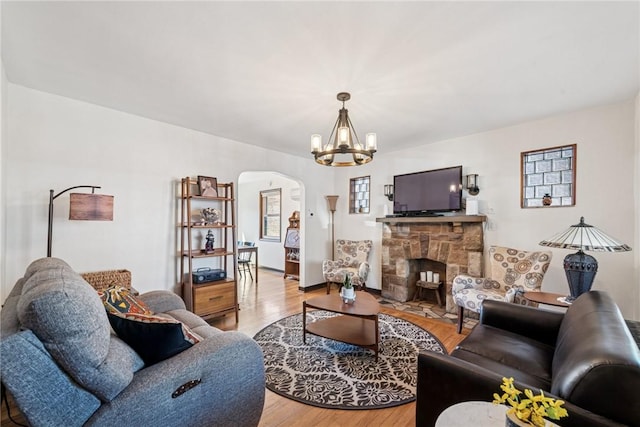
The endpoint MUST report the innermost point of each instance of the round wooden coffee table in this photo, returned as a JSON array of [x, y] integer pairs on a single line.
[[357, 323]]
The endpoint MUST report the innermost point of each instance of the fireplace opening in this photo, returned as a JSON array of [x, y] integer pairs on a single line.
[[416, 266]]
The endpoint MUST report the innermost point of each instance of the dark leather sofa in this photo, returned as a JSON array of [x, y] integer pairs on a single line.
[[586, 357]]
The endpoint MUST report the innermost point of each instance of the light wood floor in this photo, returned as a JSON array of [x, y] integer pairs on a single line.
[[274, 298]]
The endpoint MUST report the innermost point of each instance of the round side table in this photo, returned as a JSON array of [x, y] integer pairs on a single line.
[[477, 414]]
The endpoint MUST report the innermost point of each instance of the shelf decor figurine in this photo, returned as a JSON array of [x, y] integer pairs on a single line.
[[347, 292], [208, 248]]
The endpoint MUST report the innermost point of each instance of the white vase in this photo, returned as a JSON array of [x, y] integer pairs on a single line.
[[348, 295]]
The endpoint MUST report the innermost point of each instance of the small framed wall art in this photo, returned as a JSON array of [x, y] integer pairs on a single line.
[[208, 186], [548, 177]]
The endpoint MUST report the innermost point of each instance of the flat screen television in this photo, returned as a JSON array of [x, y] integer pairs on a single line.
[[428, 192]]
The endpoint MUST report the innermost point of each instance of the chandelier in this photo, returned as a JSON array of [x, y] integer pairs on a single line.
[[343, 142]]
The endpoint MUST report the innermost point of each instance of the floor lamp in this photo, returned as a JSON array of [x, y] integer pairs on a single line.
[[333, 200], [82, 206]]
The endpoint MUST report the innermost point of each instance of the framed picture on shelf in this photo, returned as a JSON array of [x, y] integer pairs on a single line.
[[292, 240], [208, 186]]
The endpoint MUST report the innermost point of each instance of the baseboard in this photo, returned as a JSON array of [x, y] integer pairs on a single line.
[[312, 287]]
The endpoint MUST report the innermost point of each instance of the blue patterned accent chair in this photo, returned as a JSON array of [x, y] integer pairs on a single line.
[[352, 258], [513, 272]]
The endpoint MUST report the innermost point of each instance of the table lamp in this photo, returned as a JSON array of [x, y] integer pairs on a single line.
[[581, 268]]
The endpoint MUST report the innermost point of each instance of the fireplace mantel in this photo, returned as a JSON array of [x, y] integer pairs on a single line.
[[423, 219]]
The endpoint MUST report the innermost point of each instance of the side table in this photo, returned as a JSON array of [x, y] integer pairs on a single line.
[[546, 298], [476, 414]]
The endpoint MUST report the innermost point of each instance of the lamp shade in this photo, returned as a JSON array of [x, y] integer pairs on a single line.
[[585, 237], [90, 207], [333, 200]]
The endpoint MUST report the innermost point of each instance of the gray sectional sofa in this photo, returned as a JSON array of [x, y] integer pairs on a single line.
[[64, 365]]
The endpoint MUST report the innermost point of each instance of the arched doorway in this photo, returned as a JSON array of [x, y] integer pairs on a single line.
[[250, 185]]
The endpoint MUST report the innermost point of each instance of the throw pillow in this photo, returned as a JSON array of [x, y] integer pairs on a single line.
[[153, 337], [118, 299]]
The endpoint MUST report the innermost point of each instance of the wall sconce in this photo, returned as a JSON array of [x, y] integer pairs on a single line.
[[388, 191], [82, 206], [472, 184]]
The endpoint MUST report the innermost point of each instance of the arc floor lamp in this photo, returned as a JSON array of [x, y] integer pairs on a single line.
[[82, 206]]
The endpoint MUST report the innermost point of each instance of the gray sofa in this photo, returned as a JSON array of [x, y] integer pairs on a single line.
[[64, 365]]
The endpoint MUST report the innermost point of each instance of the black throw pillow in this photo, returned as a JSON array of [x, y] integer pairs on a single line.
[[154, 338]]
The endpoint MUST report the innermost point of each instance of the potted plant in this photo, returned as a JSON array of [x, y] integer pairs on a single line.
[[529, 409], [347, 292]]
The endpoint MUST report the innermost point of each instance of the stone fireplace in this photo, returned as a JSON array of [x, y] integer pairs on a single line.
[[449, 245]]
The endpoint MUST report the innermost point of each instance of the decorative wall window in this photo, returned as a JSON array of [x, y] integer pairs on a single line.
[[359, 195], [548, 177], [270, 214]]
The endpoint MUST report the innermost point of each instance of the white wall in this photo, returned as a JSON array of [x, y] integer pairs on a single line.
[[3, 157], [636, 192], [606, 168], [250, 184], [56, 142]]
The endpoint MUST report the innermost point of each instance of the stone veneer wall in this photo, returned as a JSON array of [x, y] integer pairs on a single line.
[[457, 245]]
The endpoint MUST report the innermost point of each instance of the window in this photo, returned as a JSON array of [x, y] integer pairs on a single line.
[[549, 177], [359, 195], [270, 215]]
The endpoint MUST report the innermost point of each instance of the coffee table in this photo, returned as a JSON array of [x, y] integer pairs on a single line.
[[357, 323]]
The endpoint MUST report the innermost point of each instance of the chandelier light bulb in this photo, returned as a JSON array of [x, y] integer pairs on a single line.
[[372, 143], [316, 143]]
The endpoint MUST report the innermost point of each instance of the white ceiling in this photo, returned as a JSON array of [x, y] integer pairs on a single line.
[[267, 73]]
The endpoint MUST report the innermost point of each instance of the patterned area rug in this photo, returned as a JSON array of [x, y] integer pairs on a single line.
[[331, 374]]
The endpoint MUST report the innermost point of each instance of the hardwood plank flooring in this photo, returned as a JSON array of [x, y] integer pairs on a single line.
[[274, 298]]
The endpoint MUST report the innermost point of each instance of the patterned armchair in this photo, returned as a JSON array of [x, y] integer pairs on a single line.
[[513, 272], [351, 258]]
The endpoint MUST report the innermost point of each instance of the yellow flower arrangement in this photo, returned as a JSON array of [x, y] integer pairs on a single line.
[[531, 410]]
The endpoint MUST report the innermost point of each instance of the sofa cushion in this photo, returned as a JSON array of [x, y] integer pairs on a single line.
[[499, 348], [153, 337], [67, 315], [118, 299]]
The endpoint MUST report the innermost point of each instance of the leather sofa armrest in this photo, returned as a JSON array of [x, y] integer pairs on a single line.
[[534, 323], [444, 381]]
